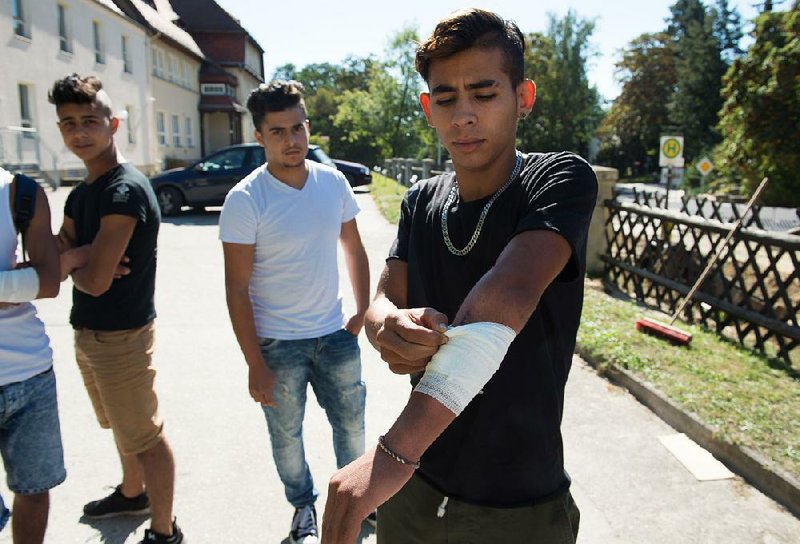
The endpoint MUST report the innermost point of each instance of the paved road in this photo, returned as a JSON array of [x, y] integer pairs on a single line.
[[630, 489]]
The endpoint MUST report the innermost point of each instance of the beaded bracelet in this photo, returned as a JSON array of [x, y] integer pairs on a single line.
[[402, 460]]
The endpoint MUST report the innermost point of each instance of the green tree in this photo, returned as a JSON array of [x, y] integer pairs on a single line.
[[760, 118], [705, 41], [385, 120], [630, 132], [567, 109]]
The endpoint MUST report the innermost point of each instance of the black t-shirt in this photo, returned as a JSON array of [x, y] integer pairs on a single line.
[[128, 304], [505, 448]]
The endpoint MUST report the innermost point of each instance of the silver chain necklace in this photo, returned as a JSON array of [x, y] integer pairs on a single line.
[[452, 197]]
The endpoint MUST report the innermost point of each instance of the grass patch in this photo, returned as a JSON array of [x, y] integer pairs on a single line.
[[745, 397], [388, 194]]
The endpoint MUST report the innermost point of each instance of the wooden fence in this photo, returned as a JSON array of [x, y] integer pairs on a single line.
[[753, 295]]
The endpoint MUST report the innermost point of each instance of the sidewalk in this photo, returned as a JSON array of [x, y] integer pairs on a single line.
[[629, 487]]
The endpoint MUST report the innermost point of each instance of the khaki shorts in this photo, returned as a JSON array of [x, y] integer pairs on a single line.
[[410, 517], [118, 375]]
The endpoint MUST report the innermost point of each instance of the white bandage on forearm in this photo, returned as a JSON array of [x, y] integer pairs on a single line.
[[465, 363], [20, 285]]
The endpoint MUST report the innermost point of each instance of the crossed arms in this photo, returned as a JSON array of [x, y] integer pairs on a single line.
[[407, 338], [95, 266]]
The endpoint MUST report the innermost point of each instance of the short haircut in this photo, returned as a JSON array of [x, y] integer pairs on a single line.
[[472, 27], [277, 95], [74, 89]]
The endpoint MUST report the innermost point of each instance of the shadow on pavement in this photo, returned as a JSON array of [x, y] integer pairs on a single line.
[[115, 530]]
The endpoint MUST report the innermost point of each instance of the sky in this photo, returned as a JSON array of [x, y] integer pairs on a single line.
[[316, 31]]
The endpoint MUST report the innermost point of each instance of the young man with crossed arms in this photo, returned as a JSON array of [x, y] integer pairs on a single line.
[[497, 250], [108, 245]]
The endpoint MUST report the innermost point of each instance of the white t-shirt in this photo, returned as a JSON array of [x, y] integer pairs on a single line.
[[294, 288], [24, 346]]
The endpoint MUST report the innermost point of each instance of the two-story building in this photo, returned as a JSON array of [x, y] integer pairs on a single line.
[[177, 72], [174, 61], [48, 39], [234, 66]]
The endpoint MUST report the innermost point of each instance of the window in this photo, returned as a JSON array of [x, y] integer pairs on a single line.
[[170, 67], [176, 131], [18, 15], [161, 127], [129, 124], [25, 113], [213, 89], [158, 63], [230, 159], [126, 56], [65, 43], [187, 132], [99, 53]]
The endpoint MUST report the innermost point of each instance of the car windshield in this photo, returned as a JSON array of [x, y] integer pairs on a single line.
[[320, 156]]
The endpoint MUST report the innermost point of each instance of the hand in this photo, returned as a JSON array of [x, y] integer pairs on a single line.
[[121, 269], [358, 489], [408, 338], [261, 381], [74, 258], [355, 324]]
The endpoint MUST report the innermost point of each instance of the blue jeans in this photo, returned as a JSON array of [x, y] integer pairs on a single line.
[[332, 364], [30, 437]]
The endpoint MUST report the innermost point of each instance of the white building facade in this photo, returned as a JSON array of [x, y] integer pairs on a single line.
[[49, 39]]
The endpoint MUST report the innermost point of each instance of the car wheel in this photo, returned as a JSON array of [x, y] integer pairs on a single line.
[[170, 200]]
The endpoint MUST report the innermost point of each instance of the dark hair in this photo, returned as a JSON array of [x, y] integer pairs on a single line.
[[74, 89], [472, 27], [277, 95]]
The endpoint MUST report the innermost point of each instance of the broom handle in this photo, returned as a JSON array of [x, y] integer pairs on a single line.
[[722, 246]]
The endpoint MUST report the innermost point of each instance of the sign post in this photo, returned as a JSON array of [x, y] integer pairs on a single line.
[[670, 154]]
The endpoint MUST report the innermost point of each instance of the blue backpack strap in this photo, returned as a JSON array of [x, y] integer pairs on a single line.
[[24, 203]]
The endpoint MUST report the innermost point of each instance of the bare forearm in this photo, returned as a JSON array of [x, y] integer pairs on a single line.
[[418, 426], [240, 310], [358, 270]]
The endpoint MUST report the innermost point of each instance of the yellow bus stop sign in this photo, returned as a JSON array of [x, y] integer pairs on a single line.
[[671, 151]]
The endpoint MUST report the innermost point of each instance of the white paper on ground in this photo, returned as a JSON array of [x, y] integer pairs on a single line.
[[698, 461]]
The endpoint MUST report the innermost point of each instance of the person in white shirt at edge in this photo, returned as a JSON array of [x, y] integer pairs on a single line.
[[30, 433], [496, 248], [279, 228]]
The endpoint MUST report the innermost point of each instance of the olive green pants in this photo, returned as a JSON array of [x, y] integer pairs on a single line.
[[410, 517]]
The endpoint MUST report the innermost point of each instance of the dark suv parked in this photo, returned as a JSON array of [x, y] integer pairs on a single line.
[[207, 182]]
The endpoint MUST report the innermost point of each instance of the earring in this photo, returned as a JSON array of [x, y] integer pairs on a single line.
[[523, 115]]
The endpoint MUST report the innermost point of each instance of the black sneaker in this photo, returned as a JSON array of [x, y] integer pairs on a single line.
[[304, 526], [152, 537], [118, 504]]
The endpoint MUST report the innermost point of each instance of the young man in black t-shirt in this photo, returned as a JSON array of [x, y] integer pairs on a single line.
[[497, 250], [108, 246]]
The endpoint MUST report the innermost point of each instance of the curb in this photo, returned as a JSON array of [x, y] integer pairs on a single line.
[[752, 466]]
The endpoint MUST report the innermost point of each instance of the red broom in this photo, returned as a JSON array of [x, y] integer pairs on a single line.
[[674, 334]]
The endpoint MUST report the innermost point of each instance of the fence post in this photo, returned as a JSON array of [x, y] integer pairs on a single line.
[[596, 242], [408, 163], [427, 166]]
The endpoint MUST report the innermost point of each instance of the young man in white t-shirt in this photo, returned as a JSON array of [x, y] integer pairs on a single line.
[[279, 229]]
